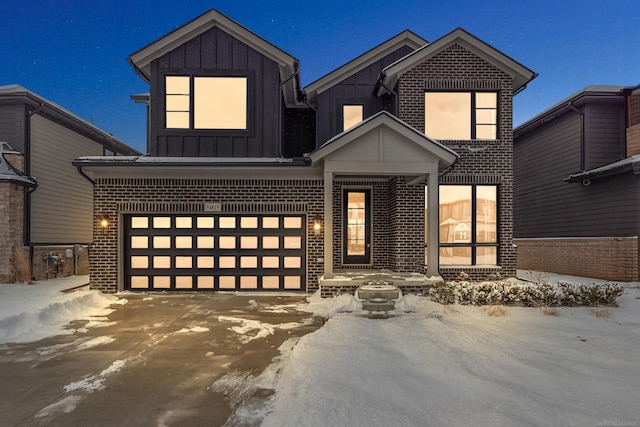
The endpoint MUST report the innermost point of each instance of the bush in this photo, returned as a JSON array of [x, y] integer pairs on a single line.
[[527, 294]]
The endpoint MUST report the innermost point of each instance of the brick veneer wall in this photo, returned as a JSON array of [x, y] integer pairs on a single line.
[[481, 161], [380, 222], [607, 258], [406, 226], [11, 229], [114, 196], [43, 271], [633, 140]]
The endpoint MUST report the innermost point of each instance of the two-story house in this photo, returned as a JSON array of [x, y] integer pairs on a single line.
[[46, 207], [576, 185], [252, 182]]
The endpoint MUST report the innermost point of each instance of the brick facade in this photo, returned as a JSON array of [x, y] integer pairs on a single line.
[[607, 258], [66, 266], [11, 231], [116, 196], [481, 161]]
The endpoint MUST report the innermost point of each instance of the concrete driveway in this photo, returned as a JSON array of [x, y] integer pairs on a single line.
[[162, 360]]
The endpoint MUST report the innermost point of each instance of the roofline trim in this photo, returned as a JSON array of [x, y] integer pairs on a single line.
[[521, 74], [406, 37]]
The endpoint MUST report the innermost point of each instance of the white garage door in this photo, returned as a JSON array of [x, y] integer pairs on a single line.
[[215, 252]]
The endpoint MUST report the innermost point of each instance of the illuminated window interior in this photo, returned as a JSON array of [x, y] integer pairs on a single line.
[[461, 115], [356, 223], [351, 115], [468, 224], [218, 102]]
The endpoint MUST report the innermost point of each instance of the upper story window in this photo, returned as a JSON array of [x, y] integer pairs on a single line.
[[461, 115], [351, 115], [206, 102]]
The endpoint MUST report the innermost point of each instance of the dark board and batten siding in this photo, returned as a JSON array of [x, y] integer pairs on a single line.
[[547, 206], [356, 89], [216, 53]]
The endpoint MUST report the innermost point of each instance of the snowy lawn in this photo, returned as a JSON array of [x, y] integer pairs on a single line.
[[427, 365], [457, 365], [33, 312]]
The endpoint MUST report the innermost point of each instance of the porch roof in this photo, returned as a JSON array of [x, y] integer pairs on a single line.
[[383, 145]]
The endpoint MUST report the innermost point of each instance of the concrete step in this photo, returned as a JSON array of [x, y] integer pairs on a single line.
[[378, 304]]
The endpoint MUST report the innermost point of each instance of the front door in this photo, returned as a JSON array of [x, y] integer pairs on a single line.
[[356, 226]]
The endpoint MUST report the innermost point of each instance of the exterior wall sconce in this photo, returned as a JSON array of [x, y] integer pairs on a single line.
[[103, 221], [317, 225]]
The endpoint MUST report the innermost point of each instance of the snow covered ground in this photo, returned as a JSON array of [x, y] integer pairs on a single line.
[[459, 366], [33, 312], [428, 364]]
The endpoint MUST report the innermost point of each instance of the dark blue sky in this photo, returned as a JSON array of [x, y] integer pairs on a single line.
[[73, 52]]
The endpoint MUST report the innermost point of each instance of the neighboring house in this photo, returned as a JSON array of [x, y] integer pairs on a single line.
[[46, 207], [253, 182], [576, 183]]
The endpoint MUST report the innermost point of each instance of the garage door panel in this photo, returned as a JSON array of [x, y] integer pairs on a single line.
[[215, 252]]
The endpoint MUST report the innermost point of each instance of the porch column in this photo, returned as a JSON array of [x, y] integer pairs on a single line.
[[328, 225], [433, 234]]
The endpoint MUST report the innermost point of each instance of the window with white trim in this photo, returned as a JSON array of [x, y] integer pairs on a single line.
[[461, 115]]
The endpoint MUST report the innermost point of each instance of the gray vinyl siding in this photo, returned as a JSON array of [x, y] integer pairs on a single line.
[[604, 134], [12, 119], [62, 205], [547, 206], [356, 89], [216, 53]]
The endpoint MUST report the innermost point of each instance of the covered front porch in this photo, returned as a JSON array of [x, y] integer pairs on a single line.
[[381, 148]]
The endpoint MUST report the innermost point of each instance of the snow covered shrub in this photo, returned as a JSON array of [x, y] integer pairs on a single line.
[[526, 294]]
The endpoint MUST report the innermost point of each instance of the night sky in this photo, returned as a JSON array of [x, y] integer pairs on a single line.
[[74, 52]]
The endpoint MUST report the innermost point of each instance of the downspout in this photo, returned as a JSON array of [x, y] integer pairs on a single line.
[[281, 107], [583, 160], [87, 177], [392, 93], [26, 214]]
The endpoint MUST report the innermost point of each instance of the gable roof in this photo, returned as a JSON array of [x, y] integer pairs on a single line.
[[51, 110], [405, 38], [521, 74], [383, 144], [589, 93], [288, 65]]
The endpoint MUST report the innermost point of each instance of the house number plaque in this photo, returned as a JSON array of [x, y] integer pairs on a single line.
[[212, 207]]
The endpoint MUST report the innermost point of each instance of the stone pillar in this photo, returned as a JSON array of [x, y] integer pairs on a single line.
[[15, 263]]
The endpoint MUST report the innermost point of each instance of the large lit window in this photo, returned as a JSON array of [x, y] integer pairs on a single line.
[[461, 115], [468, 224], [215, 103], [351, 115]]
